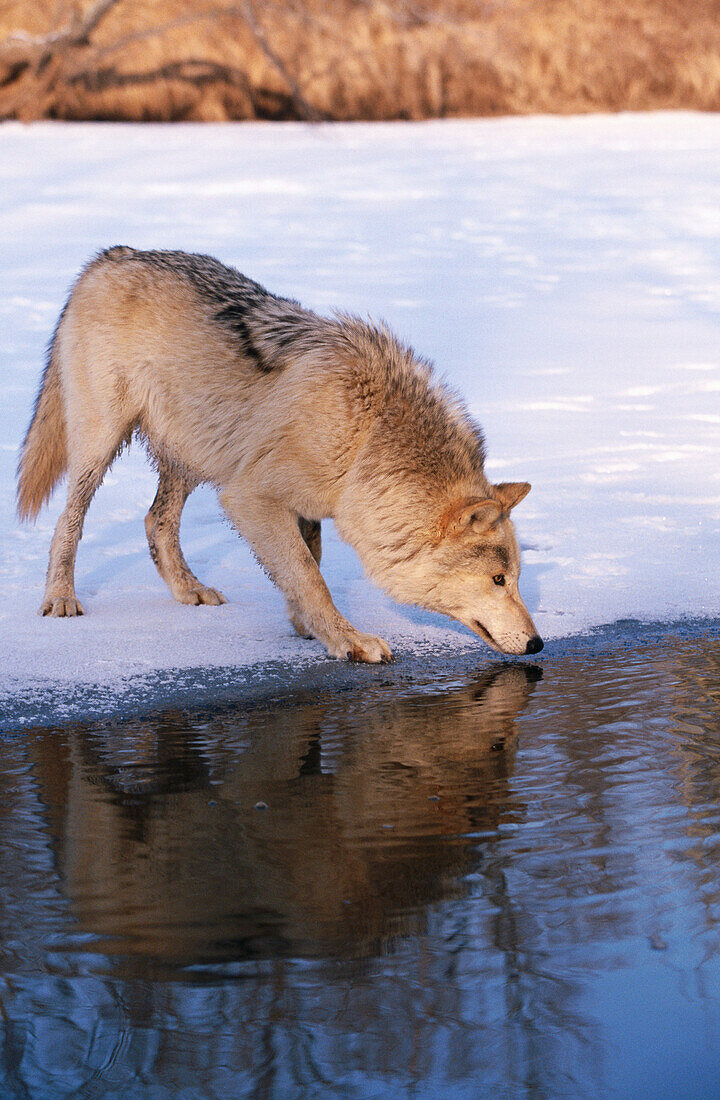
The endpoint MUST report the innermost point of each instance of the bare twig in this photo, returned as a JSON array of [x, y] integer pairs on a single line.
[[40, 61], [258, 32], [76, 33]]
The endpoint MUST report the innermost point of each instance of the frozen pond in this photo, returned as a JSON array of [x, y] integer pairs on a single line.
[[504, 883], [561, 272]]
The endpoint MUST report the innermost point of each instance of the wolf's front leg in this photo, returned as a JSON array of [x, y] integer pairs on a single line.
[[272, 530]]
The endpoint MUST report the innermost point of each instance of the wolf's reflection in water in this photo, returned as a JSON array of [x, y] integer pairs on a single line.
[[321, 829]]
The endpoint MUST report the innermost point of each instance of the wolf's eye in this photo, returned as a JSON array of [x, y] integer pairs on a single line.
[[499, 578]]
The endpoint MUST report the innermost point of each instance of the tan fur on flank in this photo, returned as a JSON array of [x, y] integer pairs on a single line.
[[294, 418]]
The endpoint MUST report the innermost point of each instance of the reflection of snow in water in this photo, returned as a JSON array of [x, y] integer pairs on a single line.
[[561, 272]]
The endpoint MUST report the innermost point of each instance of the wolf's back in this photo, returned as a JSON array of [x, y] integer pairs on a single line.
[[43, 459]]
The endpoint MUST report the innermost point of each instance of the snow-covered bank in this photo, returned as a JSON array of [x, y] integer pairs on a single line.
[[563, 273]]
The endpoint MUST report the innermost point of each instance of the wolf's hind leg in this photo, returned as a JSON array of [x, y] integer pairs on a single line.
[[273, 531], [311, 533], [162, 526], [60, 599]]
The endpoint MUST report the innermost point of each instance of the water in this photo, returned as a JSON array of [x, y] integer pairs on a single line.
[[503, 885]]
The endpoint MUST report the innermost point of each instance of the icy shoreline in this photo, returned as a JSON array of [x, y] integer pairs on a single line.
[[562, 273], [205, 690]]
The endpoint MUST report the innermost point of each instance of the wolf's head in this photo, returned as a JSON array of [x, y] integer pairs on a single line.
[[479, 568], [468, 567]]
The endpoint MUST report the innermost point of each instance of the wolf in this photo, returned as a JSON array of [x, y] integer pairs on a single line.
[[294, 418]]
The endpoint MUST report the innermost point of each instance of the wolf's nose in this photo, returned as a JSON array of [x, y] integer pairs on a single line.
[[534, 645]]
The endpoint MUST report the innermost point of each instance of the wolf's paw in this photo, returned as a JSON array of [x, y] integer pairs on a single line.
[[61, 607], [201, 594], [363, 647]]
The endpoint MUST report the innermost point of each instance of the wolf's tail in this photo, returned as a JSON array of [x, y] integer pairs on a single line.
[[44, 458]]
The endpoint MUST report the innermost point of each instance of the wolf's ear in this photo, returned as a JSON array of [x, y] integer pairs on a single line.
[[510, 493], [476, 514]]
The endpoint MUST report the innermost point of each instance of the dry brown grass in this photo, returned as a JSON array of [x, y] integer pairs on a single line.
[[215, 59]]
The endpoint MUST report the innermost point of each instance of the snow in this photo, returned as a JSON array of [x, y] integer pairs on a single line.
[[564, 274]]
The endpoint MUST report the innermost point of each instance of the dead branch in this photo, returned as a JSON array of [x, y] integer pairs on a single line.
[[76, 33], [36, 64], [306, 109]]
